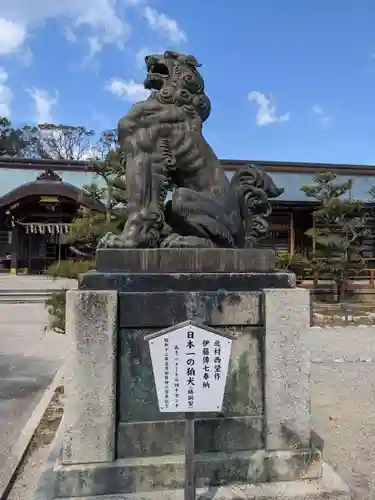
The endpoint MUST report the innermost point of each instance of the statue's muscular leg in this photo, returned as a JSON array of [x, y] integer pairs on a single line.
[[145, 222]]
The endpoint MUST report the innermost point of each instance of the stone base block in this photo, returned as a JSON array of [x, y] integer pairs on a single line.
[[168, 472], [179, 260], [328, 487], [212, 435]]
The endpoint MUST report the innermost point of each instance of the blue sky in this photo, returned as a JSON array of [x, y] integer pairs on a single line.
[[288, 81]]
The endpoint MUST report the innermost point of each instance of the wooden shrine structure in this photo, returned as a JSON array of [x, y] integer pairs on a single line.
[[33, 219], [33, 216]]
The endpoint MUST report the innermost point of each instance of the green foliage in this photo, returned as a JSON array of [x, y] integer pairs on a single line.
[[296, 263], [70, 268], [339, 228], [13, 141], [109, 192], [55, 306]]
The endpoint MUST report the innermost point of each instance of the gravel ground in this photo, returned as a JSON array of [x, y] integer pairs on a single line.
[[342, 344], [38, 451], [343, 402], [343, 408]]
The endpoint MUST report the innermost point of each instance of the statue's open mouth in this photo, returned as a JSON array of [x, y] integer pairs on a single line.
[[157, 73], [158, 69]]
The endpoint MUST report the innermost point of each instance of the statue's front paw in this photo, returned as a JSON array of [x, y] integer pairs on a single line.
[[144, 229], [111, 240], [175, 240]]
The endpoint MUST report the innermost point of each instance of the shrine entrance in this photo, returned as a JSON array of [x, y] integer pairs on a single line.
[[35, 219], [43, 245]]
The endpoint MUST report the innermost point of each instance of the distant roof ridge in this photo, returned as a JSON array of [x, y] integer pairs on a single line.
[[276, 166], [311, 164]]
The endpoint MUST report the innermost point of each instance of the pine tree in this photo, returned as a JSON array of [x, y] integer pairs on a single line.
[[338, 231], [108, 191], [14, 142]]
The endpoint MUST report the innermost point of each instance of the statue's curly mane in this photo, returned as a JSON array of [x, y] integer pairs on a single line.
[[198, 103], [185, 85]]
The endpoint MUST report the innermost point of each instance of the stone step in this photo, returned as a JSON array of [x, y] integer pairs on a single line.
[[23, 300], [329, 487], [24, 296], [19, 298], [168, 471], [29, 291]]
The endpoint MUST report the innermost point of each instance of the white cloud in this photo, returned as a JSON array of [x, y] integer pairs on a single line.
[[140, 56], [127, 90], [12, 36], [267, 109], [146, 51], [44, 103], [6, 94], [95, 46], [70, 35], [158, 21], [96, 22], [19, 17], [320, 113]]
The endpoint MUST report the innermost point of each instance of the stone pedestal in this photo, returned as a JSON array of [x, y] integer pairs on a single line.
[[116, 442]]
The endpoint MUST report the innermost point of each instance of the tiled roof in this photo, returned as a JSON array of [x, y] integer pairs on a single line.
[[292, 183]]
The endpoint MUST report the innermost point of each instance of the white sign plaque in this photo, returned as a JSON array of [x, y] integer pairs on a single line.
[[190, 365]]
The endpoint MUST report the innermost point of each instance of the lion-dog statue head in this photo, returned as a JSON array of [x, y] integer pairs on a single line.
[[175, 79]]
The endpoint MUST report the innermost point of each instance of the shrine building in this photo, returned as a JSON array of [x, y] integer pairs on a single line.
[[35, 214]]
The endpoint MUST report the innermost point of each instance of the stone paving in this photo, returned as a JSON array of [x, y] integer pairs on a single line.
[[343, 402], [29, 359], [343, 407], [29, 283], [343, 344]]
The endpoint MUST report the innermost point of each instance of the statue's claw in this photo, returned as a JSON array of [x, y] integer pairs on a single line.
[[111, 240], [142, 230], [175, 240]]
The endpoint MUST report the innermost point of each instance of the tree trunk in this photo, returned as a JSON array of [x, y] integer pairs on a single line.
[[342, 290]]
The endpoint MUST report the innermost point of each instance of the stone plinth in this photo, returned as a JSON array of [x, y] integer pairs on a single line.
[[185, 260], [287, 368], [262, 434], [90, 378]]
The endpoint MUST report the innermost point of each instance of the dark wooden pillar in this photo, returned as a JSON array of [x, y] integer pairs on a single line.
[[292, 234], [14, 250]]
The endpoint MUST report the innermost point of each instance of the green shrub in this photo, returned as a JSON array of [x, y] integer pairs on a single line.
[[297, 264], [55, 306], [69, 268]]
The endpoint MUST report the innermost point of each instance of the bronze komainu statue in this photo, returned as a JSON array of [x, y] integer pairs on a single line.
[[165, 149]]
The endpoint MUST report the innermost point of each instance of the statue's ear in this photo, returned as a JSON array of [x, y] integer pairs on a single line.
[[171, 54], [183, 58], [191, 61]]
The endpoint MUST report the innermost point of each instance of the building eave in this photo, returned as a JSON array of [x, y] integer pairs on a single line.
[[301, 167], [43, 164], [229, 165]]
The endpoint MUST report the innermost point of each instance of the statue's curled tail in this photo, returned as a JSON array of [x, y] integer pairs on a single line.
[[254, 188]]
